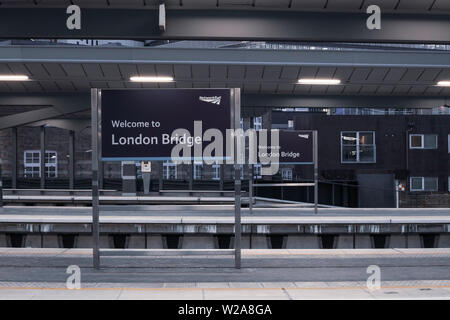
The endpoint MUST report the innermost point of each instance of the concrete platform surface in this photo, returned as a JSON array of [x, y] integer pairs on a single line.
[[354, 290], [207, 214], [210, 274]]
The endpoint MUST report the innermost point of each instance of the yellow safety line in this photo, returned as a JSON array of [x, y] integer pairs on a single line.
[[234, 289]]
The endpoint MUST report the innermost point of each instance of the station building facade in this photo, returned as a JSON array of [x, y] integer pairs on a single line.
[[364, 154]]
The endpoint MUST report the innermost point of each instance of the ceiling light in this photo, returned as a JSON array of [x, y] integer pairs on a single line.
[[319, 81], [151, 79], [13, 77], [445, 83]]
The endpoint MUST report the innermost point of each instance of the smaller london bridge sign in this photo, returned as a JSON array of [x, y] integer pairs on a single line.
[[291, 147]]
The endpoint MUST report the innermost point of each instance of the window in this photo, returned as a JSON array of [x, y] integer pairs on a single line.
[[257, 123], [358, 146], [423, 141], [198, 171], [32, 166], [216, 171], [286, 174], [423, 184], [170, 170]]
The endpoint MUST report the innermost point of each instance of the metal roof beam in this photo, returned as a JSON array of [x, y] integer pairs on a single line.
[[56, 106], [343, 101], [48, 23], [63, 104], [353, 58]]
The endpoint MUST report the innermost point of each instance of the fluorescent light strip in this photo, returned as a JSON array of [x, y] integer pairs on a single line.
[[319, 81], [5, 77], [445, 83], [151, 79]]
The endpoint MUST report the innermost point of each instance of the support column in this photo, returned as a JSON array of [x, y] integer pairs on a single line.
[[42, 163], [14, 159], [71, 159], [160, 176], [333, 201], [251, 173], [222, 175], [95, 184], [316, 170], [191, 175], [236, 107], [345, 196], [100, 173]]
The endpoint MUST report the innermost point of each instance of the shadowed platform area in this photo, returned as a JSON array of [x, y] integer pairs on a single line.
[[209, 274]]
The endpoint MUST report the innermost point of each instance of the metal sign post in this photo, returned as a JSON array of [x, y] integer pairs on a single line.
[[250, 179], [316, 170], [112, 131], [236, 109], [95, 97]]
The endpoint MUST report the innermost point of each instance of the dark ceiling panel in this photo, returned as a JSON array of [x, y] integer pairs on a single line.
[[110, 70], [422, 5], [430, 74], [164, 70], [55, 70], [285, 88], [37, 70], [308, 4], [268, 87], [200, 71], [290, 73], [280, 4], [360, 74], [73, 69], [377, 75], [388, 5], [251, 87], [335, 89], [385, 90], [236, 72], [219, 72], [272, 72], [344, 4], [308, 72], [18, 68], [412, 74], [146, 70], [49, 86], [128, 70], [254, 72], [401, 89], [395, 74], [93, 70], [326, 72], [182, 71], [441, 5]]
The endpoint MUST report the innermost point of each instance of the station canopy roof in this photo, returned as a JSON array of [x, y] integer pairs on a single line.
[[398, 6], [384, 71]]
